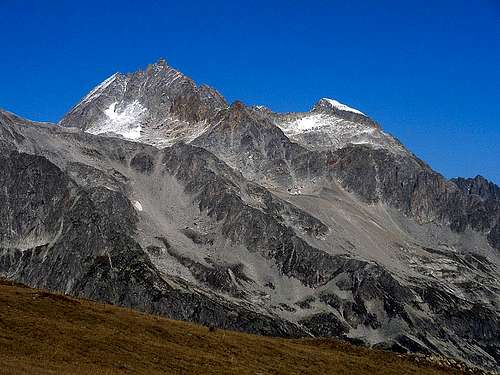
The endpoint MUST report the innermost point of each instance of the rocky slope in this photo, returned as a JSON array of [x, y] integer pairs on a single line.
[[294, 224], [159, 100]]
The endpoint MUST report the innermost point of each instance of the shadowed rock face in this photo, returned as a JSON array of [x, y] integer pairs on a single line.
[[252, 144], [236, 225], [143, 104], [411, 186], [479, 186], [484, 203], [61, 237], [160, 89], [264, 154]]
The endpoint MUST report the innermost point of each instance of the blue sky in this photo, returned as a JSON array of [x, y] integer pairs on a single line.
[[428, 72]]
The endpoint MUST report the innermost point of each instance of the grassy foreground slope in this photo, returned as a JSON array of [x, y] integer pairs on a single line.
[[44, 333]]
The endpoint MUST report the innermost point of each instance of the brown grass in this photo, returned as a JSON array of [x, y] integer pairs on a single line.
[[43, 333]]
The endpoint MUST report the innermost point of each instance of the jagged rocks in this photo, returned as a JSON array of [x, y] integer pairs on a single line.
[[282, 224], [59, 237]]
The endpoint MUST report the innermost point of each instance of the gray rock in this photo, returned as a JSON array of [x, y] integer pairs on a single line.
[[241, 223]]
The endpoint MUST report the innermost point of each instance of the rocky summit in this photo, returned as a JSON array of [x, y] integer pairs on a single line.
[[153, 193]]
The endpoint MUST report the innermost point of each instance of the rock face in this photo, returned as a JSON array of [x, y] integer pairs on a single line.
[[484, 204], [80, 241], [293, 224], [159, 99]]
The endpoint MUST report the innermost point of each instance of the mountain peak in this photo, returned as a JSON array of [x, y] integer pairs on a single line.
[[237, 105], [127, 103], [161, 62], [332, 104]]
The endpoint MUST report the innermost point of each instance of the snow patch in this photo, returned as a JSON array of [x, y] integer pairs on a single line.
[[307, 123], [126, 122], [137, 205], [341, 106], [325, 131]]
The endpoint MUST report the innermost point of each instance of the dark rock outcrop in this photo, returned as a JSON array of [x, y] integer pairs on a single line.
[[160, 90], [57, 236]]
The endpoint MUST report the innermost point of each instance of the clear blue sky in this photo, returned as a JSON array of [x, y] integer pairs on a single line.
[[428, 71]]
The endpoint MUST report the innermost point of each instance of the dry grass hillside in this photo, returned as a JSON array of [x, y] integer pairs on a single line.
[[44, 333]]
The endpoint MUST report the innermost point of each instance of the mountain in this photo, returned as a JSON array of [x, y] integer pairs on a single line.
[[155, 194], [158, 106]]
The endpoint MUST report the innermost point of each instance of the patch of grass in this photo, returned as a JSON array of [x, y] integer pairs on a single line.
[[45, 333]]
